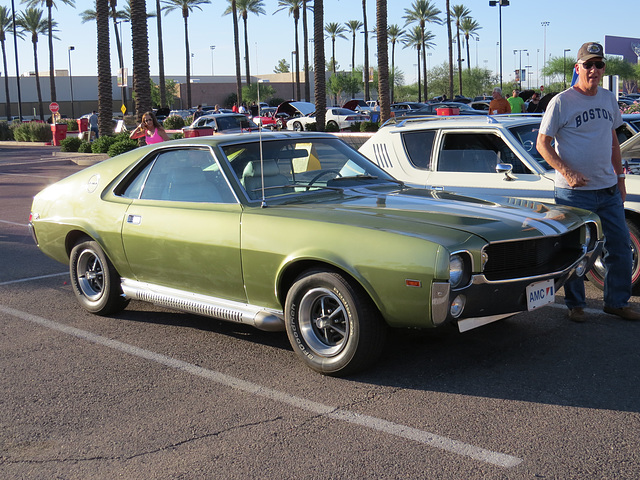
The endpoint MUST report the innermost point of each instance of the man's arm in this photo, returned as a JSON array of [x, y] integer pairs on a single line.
[[573, 178]]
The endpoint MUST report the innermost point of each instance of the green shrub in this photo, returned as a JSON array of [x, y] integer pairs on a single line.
[[331, 127], [311, 127], [85, 147], [188, 120], [33, 132], [70, 144], [122, 146], [173, 122], [177, 136], [6, 133], [102, 144], [72, 125], [369, 127], [355, 127]]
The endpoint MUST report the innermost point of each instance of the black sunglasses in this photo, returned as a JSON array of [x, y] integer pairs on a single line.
[[599, 65]]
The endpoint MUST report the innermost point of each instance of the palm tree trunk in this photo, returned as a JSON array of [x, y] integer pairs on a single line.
[[305, 39], [236, 43], [105, 97], [383, 60], [424, 66], [466, 37], [140, 45], [459, 57], [123, 90], [450, 40], [246, 47], [161, 80], [353, 53], [6, 79], [365, 74], [35, 61], [392, 79], [188, 53], [52, 72], [320, 86], [295, 21], [419, 84]]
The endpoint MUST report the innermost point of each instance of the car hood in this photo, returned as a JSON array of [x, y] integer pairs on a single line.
[[295, 108], [428, 213]]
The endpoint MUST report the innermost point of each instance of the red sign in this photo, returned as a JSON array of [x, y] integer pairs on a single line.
[[541, 87], [54, 107]]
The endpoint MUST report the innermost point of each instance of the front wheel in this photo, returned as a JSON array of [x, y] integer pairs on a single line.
[[95, 280], [596, 274], [332, 124], [332, 324], [297, 126]]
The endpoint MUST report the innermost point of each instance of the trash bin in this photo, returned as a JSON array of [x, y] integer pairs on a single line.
[[448, 111], [59, 131], [190, 132], [83, 124]]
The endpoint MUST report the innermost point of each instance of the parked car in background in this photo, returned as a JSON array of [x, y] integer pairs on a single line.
[[432, 109], [299, 232], [289, 110], [404, 106], [359, 106], [225, 123], [633, 120], [266, 118], [336, 117], [486, 157]]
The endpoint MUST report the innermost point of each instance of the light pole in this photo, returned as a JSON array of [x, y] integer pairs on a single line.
[[528, 74], [564, 66], [499, 4], [73, 112], [520, 68], [192, 57], [544, 50], [212, 48], [477, 42]]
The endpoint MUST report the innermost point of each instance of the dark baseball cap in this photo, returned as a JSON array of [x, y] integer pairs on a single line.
[[589, 51]]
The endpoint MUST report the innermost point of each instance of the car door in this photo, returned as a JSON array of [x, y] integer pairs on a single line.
[[465, 162], [182, 229]]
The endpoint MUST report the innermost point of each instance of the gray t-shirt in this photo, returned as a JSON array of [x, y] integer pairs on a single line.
[[582, 127]]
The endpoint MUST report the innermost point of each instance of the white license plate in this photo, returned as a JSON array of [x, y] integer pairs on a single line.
[[540, 294]]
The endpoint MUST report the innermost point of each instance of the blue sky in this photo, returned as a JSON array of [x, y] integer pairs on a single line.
[[272, 38]]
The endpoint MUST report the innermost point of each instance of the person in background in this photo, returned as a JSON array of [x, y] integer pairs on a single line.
[[93, 123], [532, 106], [150, 129], [589, 174], [516, 102], [498, 105], [198, 113]]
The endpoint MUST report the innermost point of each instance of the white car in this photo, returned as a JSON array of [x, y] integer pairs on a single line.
[[335, 117], [487, 157]]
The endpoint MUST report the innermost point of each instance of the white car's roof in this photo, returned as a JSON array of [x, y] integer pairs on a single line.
[[461, 121]]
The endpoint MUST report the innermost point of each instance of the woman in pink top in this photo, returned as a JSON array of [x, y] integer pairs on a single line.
[[150, 129]]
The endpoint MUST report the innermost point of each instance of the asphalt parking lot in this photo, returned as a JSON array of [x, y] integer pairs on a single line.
[[151, 393]]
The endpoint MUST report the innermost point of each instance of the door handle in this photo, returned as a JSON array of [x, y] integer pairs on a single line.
[[134, 219]]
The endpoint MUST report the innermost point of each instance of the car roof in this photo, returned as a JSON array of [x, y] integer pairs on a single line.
[[462, 121]]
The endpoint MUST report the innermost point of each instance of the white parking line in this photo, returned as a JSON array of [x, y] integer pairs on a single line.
[[14, 223], [378, 424], [10, 282]]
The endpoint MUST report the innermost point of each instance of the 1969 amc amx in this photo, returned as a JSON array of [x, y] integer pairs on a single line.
[[299, 232]]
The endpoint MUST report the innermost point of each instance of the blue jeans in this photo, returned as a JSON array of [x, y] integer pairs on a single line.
[[617, 247]]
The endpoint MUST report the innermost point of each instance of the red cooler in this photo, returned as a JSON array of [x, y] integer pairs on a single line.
[[83, 124], [59, 131], [448, 111]]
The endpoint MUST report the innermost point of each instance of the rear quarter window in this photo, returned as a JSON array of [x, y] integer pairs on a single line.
[[418, 146]]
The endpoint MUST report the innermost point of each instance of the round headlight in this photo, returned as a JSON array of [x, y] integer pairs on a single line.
[[457, 306], [456, 270]]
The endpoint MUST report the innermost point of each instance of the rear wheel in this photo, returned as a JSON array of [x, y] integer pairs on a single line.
[[95, 280], [332, 124], [332, 324], [297, 126], [596, 274]]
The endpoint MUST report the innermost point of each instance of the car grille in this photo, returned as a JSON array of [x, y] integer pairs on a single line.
[[528, 258]]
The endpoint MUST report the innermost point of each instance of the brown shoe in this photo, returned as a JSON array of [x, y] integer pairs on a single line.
[[627, 312], [577, 315]]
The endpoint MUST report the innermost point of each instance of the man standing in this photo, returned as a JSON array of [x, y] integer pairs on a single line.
[[589, 174], [499, 104], [516, 102], [93, 123]]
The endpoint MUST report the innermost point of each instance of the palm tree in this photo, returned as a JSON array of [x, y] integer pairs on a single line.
[[450, 43], [423, 12], [305, 40], [244, 7], [186, 7], [161, 79], [294, 7], [320, 86], [236, 49], [469, 28], [105, 97], [334, 30], [366, 50], [413, 39], [394, 35], [383, 60], [460, 12], [5, 26], [50, 23], [140, 45], [353, 26], [31, 22]]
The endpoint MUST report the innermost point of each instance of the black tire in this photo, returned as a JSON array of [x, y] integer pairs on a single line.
[[297, 126], [332, 124], [95, 281], [596, 274], [332, 324]]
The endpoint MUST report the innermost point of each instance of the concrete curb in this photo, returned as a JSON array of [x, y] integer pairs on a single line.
[[81, 158]]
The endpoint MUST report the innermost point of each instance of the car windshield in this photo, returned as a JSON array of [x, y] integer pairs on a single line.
[[527, 135], [299, 165], [234, 122]]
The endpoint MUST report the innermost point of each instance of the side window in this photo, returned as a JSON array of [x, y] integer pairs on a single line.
[[187, 175], [476, 153], [418, 146]]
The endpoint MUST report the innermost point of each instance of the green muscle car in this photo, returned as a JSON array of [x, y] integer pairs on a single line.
[[300, 232]]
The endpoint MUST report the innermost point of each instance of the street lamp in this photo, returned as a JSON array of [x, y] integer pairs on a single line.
[[564, 66], [192, 57], [499, 4], [520, 68], [73, 112], [544, 51], [212, 48]]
